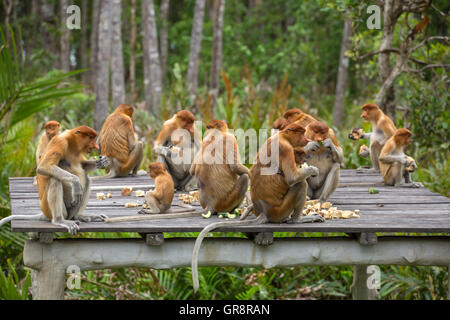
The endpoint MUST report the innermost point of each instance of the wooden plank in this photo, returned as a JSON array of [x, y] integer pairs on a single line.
[[391, 210]]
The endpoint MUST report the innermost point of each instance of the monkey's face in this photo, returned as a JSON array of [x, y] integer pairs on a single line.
[[155, 169], [90, 144], [185, 120], [51, 131], [296, 135], [369, 112], [317, 131], [85, 139], [402, 137]]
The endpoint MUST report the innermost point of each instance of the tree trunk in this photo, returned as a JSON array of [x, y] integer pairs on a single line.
[[103, 59], [133, 36], [387, 104], [8, 6], [94, 40], [65, 37], [117, 69], [196, 42], [83, 44], [47, 17], [164, 43], [152, 67], [216, 63], [338, 112]]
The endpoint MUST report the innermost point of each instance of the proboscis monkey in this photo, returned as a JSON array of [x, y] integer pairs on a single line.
[[382, 129], [275, 199], [395, 165], [176, 146], [160, 199], [63, 182], [51, 129], [222, 179], [118, 142], [324, 153]]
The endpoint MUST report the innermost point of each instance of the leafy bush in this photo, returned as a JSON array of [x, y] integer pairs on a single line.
[[11, 287]]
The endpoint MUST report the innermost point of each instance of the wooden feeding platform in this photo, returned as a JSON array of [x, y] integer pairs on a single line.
[[391, 210]]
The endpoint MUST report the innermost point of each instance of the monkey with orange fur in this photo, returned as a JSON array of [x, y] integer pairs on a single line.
[[51, 129], [395, 166], [176, 146], [323, 152], [222, 179], [63, 182], [298, 116], [382, 129], [118, 142], [160, 199], [277, 197]]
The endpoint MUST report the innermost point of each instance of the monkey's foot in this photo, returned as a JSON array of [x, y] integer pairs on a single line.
[[71, 226], [309, 219], [410, 185], [148, 211], [92, 217]]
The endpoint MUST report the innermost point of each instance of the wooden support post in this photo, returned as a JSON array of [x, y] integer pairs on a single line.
[[263, 239], [49, 281], [46, 237], [448, 279], [360, 286], [154, 239]]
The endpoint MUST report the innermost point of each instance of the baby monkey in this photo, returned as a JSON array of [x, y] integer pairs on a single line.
[[160, 199], [395, 165]]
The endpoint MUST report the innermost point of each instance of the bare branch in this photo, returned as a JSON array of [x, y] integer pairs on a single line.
[[424, 42], [388, 50], [440, 12], [430, 66]]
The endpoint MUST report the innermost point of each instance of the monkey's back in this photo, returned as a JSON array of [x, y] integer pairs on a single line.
[[113, 137], [259, 189]]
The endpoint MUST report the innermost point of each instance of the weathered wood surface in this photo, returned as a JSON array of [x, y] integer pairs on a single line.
[[391, 210]]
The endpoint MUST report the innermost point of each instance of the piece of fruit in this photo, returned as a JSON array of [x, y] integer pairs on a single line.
[[206, 215]]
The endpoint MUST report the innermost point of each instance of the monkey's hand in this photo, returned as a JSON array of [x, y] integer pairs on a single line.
[[77, 191], [328, 143], [165, 151], [356, 134], [103, 162], [411, 165], [312, 171], [312, 146]]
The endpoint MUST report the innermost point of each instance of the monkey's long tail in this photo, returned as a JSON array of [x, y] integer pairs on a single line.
[[21, 217], [261, 219]]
